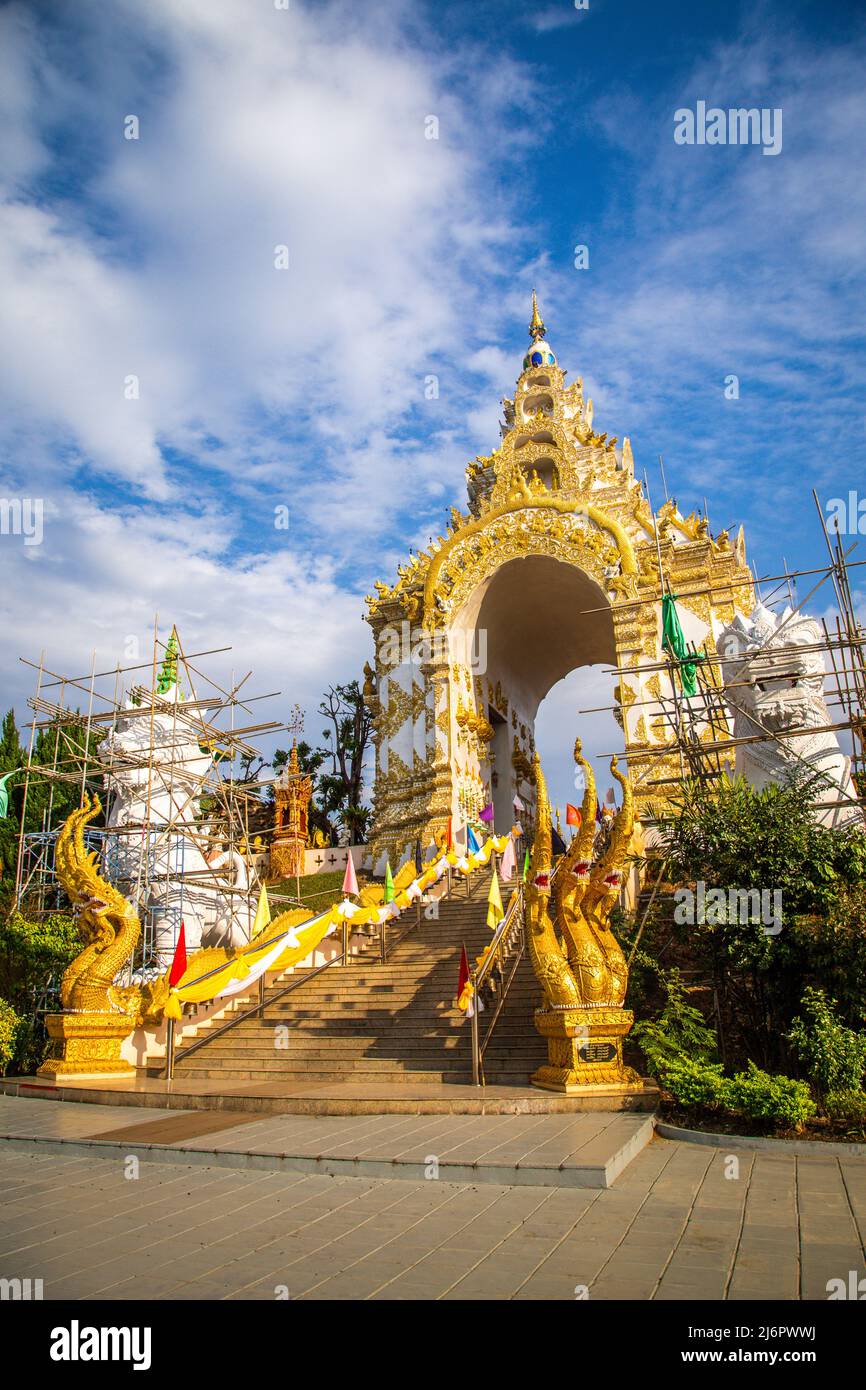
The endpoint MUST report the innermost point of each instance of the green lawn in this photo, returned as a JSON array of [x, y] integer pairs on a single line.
[[317, 891]]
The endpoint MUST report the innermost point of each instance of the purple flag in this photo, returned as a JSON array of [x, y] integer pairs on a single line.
[[487, 813]]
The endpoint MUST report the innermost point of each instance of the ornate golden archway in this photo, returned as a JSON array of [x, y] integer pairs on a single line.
[[554, 491]]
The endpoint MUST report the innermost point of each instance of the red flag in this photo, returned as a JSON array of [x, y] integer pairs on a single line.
[[178, 965], [572, 814], [449, 836], [464, 971]]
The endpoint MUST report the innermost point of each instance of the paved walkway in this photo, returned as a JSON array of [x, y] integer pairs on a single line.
[[589, 1150], [336, 1097], [681, 1222]]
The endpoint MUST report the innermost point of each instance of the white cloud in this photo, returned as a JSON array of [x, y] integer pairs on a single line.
[[258, 129], [102, 576]]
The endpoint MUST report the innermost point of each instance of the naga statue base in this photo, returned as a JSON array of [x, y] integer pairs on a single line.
[[584, 1050], [87, 1044]]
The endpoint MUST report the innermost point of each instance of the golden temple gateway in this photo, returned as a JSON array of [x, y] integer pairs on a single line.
[[559, 561]]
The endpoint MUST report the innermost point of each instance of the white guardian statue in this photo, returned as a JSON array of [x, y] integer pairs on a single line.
[[773, 672], [163, 857]]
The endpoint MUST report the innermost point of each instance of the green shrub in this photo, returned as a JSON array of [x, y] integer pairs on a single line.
[[32, 952], [692, 1082], [846, 1107], [731, 835], [750, 1095], [9, 1025], [833, 1056], [679, 1033], [756, 1095]]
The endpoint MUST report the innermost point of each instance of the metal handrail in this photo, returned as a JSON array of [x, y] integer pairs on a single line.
[[478, 976], [504, 988], [256, 1008]]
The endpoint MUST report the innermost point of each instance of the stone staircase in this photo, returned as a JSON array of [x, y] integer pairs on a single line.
[[375, 1023]]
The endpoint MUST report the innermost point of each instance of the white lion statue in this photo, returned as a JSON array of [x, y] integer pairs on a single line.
[[774, 682]]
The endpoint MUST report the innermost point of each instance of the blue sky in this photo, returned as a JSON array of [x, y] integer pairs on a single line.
[[304, 388]]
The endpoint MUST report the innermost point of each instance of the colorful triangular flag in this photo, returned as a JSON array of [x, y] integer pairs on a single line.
[[573, 815], [463, 977], [674, 642], [472, 844], [178, 965], [389, 883], [509, 862], [263, 912], [495, 911], [487, 814], [350, 878], [526, 866], [4, 793]]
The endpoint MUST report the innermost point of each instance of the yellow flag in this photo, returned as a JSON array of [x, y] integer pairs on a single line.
[[263, 913], [495, 913]]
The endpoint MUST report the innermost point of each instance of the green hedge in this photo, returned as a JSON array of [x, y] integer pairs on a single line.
[[751, 1094]]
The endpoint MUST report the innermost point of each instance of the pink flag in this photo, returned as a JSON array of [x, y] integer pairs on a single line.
[[508, 863], [518, 804], [350, 878]]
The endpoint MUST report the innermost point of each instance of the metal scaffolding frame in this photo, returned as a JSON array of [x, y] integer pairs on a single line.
[[688, 719], [155, 848]]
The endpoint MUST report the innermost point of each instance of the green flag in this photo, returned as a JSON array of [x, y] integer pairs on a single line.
[[389, 883], [674, 642], [525, 866], [4, 794]]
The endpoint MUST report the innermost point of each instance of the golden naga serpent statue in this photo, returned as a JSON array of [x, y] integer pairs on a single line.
[[592, 971], [107, 921]]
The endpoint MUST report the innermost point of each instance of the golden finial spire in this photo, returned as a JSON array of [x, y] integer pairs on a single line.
[[536, 327]]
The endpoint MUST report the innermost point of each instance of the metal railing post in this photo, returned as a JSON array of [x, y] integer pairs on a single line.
[[382, 949], [262, 994], [345, 942], [476, 1048], [169, 1051]]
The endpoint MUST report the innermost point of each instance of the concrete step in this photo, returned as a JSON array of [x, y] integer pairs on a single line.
[[318, 1077], [371, 1020]]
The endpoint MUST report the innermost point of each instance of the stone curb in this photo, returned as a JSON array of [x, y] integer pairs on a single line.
[[800, 1148], [591, 1175]]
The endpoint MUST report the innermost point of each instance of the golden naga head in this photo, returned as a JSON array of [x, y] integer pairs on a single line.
[[541, 861]]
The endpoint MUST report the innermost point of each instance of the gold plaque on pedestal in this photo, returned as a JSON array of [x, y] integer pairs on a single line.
[[584, 1049]]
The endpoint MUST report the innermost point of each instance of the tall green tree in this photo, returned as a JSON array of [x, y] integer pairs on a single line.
[[337, 767], [63, 747], [11, 757], [347, 739], [732, 836]]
